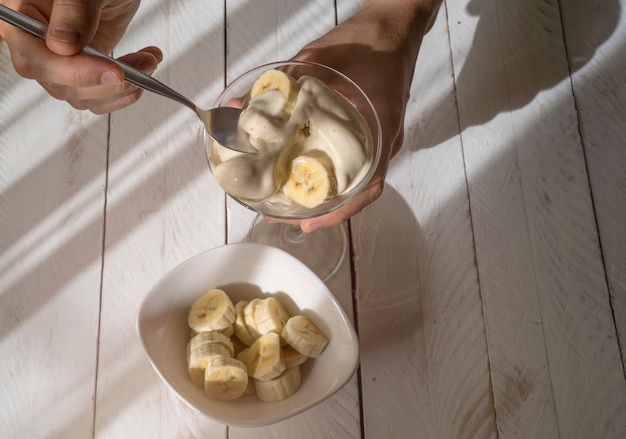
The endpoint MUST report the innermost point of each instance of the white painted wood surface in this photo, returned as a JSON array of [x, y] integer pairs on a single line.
[[488, 284]]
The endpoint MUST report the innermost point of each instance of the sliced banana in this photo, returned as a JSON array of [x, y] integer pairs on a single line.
[[292, 149], [228, 331], [241, 328], [311, 179], [248, 318], [198, 358], [264, 359], [225, 378], [213, 311], [301, 334], [269, 346], [281, 387], [292, 357], [280, 81], [269, 316], [212, 337]]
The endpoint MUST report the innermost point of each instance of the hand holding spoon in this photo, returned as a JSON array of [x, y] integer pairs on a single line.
[[220, 123]]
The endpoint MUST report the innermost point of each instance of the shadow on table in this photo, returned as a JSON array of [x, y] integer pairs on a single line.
[[511, 50], [387, 240]]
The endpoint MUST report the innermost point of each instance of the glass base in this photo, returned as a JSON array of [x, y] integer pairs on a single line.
[[322, 251]]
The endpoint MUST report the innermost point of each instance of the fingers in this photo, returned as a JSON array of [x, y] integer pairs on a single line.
[[341, 215], [235, 102], [109, 93], [86, 82], [32, 59], [72, 25]]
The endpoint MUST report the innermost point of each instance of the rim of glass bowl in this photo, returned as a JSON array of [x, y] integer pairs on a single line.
[[296, 212]]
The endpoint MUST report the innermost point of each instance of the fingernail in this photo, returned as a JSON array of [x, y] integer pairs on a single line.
[[65, 35], [110, 78], [147, 65]]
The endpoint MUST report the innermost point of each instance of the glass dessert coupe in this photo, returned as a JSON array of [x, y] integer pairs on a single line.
[[323, 250]]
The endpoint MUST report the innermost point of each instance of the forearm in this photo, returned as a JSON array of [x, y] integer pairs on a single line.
[[392, 30], [400, 24]]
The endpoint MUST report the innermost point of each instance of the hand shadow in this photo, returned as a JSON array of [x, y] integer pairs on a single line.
[[389, 238], [517, 47]]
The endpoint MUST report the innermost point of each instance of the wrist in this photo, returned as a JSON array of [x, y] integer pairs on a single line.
[[402, 23]]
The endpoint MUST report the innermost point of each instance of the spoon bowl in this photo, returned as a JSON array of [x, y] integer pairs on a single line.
[[220, 123]]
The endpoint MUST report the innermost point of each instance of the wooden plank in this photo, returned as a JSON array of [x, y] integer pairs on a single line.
[[554, 359], [162, 208], [52, 170], [595, 33], [424, 362]]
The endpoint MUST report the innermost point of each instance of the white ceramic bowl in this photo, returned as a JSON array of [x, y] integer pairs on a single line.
[[244, 271]]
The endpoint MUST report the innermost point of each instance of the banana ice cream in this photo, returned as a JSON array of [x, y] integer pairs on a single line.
[[311, 143]]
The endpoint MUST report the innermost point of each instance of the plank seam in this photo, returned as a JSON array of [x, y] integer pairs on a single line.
[[355, 317], [101, 287], [471, 219], [591, 196]]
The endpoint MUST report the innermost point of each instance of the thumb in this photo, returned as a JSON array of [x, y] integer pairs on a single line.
[[72, 25]]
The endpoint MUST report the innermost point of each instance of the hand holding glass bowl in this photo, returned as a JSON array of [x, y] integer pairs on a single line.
[[323, 250]]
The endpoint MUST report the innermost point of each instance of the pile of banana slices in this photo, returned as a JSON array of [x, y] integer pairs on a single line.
[[249, 347]]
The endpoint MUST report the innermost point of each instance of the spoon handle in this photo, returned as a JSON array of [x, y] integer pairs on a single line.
[[132, 75]]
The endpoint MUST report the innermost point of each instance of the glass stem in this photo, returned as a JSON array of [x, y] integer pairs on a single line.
[[294, 233]]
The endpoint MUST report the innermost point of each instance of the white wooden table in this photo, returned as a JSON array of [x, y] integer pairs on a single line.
[[488, 284]]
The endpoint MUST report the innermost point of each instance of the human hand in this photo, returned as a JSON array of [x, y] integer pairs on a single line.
[[382, 64], [85, 82]]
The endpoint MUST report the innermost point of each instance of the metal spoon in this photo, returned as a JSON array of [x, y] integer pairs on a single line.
[[220, 123]]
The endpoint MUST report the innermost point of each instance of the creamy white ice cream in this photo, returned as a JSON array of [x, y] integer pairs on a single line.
[[283, 128]]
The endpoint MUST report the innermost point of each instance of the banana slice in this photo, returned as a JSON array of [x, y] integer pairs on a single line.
[[240, 327], [264, 359], [248, 318], [269, 316], [292, 149], [212, 337], [213, 311], [301, 334], [280, 81], [199, 358], [311, 179], [292, 357], [225, 378], [279, 388], [228, 331]]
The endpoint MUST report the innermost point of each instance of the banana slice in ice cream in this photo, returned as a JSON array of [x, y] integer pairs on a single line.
[[311, 179], [281, 82]]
